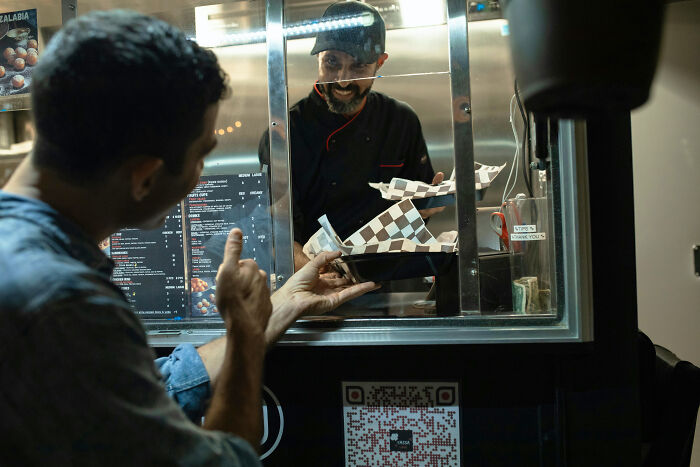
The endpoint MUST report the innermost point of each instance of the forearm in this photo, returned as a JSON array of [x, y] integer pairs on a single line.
[[212, 355], [284, 313], [236, 404]]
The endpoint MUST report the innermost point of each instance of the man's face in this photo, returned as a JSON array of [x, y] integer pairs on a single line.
[[168, 188], [343, 96]]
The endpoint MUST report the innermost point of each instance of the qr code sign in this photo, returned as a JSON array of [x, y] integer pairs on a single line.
[[401, 424]]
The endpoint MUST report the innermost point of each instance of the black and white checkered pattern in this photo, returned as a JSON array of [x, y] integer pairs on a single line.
[[402, 220], [400, 188], [399, 228]]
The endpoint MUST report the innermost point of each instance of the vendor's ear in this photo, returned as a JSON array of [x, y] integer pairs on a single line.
[[382, 58], [143, 173]]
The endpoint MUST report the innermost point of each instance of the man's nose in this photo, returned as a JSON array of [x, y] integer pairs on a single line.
[[344, 74]]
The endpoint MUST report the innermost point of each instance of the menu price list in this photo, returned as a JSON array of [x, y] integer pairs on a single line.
[[149, 268], [218, 204]]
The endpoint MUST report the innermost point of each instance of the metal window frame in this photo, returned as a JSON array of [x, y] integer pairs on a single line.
[[281, 182], [574, 322]]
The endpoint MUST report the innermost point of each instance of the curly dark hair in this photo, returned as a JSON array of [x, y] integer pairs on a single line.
[[114, 84]]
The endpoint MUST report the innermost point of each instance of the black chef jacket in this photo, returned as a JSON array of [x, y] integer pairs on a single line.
[[333, 158]]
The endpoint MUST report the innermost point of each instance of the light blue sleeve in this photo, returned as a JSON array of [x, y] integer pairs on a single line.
[[186, 380]]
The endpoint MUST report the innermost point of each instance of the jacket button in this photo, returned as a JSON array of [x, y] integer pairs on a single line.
[[333, 183], [368, 139], [333, 141]]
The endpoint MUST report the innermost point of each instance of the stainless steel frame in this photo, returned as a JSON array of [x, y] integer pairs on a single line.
[[463, 138], [573, 322], [575, 219], [279, 144]]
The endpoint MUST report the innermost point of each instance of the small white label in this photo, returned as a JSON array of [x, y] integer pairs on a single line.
[[524, 228], [524, 237]]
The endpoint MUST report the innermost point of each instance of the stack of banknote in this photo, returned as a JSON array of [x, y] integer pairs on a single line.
[[528, 298]]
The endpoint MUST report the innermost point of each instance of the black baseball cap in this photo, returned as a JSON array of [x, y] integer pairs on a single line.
[[363, 37]]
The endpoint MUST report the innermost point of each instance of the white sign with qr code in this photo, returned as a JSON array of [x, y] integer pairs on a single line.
[[401, 423]]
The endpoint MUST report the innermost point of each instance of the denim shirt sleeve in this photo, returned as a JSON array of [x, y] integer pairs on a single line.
[[186, 380]]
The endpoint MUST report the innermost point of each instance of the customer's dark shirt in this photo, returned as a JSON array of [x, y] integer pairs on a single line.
[[333, 158], [78, 382]]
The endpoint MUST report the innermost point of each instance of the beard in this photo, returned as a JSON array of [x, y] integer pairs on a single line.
[[341, 107]]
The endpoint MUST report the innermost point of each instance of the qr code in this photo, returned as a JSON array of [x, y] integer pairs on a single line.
[[401, 423]]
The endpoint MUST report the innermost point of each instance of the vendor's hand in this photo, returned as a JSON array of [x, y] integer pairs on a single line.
[[242, 294], [426, 213], [300, 258], [309, 291]]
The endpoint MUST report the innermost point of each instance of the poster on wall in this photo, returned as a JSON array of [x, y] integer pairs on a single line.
[[20, 51]]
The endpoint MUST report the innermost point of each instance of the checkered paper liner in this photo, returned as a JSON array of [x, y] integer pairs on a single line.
[[400, 188], [398, 229]]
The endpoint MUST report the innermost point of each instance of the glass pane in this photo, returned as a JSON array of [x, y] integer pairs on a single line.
[[169, 273], [369, 91], [514, 223]]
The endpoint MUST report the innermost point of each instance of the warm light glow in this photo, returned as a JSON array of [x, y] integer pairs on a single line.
[[422, 12], [229, 129], [221, 131], [238, 124]]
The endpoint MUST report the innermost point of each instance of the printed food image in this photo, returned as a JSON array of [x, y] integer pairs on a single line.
[[104, 245], [32, 58], [198, 285], [203, 304], [19, 46]]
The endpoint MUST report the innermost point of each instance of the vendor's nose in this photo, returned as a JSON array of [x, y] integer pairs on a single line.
[[344, 74]]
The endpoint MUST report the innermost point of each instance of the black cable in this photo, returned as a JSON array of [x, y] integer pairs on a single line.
[[526, 142]]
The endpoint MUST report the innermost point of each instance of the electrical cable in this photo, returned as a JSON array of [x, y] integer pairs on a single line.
[[525, 142], [516, 160]]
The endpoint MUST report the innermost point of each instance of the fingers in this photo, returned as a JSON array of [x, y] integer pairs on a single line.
[[329, 275], [425, 213], [234, 246], [355, 291], [324, 258], [333, 283], [438, 178]]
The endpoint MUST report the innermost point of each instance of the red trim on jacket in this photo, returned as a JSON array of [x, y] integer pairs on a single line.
[[317, 91], [328, 140]]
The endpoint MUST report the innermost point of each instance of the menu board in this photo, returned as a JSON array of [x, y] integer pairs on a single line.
[[150, 267], [215, 206], [170, 272]]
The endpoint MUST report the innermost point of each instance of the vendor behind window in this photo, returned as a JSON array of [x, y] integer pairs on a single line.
[[344, 135]]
